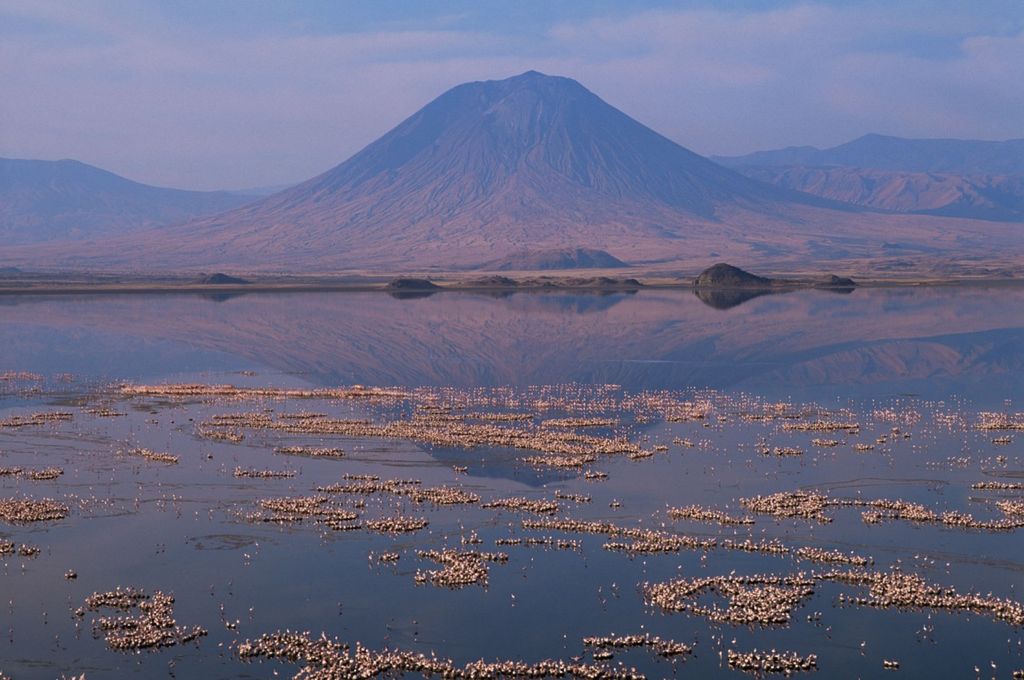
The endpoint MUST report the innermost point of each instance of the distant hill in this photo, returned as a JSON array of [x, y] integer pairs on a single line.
[[52, 200], [950, 177], [532, 163], [882, 152], [564, 258], [407, 283], [987, 197], [222, 279]]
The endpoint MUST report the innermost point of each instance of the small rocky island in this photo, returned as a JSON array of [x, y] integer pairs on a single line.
[[724, 275], [221, 279], [406, 283], [724, 286]]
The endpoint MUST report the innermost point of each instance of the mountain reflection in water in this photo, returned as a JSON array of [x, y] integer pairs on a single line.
[[932, 341], [727, 298]]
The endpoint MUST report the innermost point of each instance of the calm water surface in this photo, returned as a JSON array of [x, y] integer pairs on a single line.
[[927, 361]]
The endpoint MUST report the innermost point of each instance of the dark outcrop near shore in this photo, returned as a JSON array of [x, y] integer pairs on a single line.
[[724, 286], [495, 281], [410, 284], [833, 281], [556, 259], [724, 275], [594, 282], [220, 279], [600, 283], [409, 288]]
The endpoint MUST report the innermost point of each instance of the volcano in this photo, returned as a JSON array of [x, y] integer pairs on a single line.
[[529, 163]]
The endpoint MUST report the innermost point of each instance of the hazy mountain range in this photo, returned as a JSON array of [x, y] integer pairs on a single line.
[[53, 200], [533, 164], [951, 156], [954, 177]]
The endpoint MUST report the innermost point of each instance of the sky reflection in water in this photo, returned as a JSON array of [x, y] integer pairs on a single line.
[[178, 529]]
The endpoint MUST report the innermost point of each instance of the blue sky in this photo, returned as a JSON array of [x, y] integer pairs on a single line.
[[228, 94]]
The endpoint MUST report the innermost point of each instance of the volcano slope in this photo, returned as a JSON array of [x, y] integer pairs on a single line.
[[532, 162]]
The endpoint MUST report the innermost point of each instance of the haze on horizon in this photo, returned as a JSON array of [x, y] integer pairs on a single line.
[[230, 95]]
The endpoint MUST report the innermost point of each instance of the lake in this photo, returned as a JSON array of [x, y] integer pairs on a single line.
[[501, 476]]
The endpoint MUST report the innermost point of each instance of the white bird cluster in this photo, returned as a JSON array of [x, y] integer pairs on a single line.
[[297, 508], [997, 486], [460, 568], [823, 426], [311, 451], [579, 422], [704, 514], [989, 421], [153, 627], [153, 456], [832, 556], [643, 540], [408, 488], [263, 474], [19, 510], [574, 497], [10, 548], [812, 506], [757, 599], [910, 591], [44, 474], [396, 525], [766, 547], [654, 643], [34, 419], [327, 659], [772, 661], [521, 504]]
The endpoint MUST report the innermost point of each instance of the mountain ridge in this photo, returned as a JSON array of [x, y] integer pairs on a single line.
[[68, 199], [947, 177], [886, 152]]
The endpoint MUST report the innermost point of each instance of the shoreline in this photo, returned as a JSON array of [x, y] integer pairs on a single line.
[[45, 286]]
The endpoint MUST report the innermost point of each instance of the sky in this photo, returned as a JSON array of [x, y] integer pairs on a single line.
[[231, 94]]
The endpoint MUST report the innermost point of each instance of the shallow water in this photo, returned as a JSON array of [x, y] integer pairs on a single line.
[[927, 361]]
